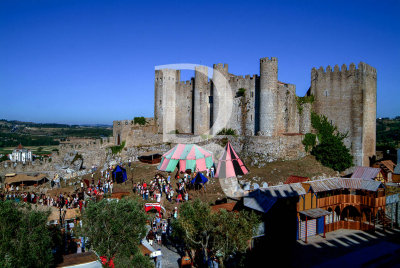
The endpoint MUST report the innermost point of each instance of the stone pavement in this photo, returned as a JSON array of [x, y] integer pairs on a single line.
[[170, 257]]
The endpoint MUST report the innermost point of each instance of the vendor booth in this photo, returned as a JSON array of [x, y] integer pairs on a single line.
[[186, 156], [119, 174]]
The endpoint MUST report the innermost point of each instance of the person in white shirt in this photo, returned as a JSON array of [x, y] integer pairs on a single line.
[[111, 187]]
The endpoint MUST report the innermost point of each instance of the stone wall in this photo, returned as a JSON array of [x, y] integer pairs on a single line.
[[184, 100], [93, 152], [126, 130], [268, 108], [348, 98]]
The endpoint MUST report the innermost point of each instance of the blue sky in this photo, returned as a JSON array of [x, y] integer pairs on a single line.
[[77, 61]]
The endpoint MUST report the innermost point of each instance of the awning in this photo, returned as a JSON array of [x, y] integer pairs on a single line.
[[151, 153], [20, 178], [315, 213]]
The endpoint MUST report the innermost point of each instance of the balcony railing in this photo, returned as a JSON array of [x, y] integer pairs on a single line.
[[350, 199], [354, 225]]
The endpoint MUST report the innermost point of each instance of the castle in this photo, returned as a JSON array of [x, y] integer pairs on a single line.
[[261, 105]]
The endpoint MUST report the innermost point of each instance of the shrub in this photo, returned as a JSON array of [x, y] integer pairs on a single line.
[[240, 92], [302, 100], [330, 151], [309, 141], [227, 131], [140, 120], [117, 148]]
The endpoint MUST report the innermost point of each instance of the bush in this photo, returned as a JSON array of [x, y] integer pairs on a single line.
[[330, 151], [240, 92], [140, 120], [227, 131], [302, 100], [117, 148], [309, 141]]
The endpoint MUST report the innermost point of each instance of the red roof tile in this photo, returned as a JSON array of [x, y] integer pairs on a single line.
[[227, 206], [296, 179], [388, 164]]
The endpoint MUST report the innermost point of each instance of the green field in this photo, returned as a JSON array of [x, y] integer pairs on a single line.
[[45, 149]]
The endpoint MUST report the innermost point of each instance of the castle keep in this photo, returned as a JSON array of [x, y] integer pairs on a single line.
[[260, 105], [250, 105], [348, 98]]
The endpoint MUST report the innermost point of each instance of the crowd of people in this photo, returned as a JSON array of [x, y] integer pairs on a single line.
[[60, 201], [159, 186], [159, 230]]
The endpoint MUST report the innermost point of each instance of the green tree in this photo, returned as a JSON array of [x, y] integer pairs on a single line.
[[26, 241], [195, 225], [333, 154], [115, 229], [330, 150], [233, 232], [223, 233]]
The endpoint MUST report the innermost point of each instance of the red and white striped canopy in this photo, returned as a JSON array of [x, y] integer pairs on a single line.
[[230, 165]]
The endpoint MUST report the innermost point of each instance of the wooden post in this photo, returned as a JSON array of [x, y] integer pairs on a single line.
[[324, 226], [306, 229], [370, 215]]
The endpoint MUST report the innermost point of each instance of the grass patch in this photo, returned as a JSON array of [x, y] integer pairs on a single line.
[[117, 148]]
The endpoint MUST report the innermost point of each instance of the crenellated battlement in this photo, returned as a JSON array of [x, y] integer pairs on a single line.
[[246, 77], [222, 67], [187, 82], [267, 59], [363, 67]]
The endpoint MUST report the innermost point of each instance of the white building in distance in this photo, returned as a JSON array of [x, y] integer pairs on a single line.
[[20, 154]]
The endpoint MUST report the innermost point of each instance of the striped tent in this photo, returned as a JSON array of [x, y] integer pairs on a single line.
[[230, 165], [188, 156]]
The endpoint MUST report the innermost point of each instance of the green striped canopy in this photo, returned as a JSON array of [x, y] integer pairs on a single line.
[[188, 156]]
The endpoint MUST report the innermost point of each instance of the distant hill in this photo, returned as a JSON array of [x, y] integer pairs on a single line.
[[387, 133], [13, 132]]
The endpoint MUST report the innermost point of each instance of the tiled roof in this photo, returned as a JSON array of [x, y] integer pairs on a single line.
[[284, 190], [295, 179], [226, 206], [387, 164], [367, 173], [325, 185], [315, 212], [344, 183], [263, 199], [360, 184]]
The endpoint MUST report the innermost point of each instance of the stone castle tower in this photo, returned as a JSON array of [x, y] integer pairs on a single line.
[[348, 98], [266, 107], [261, 105]]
